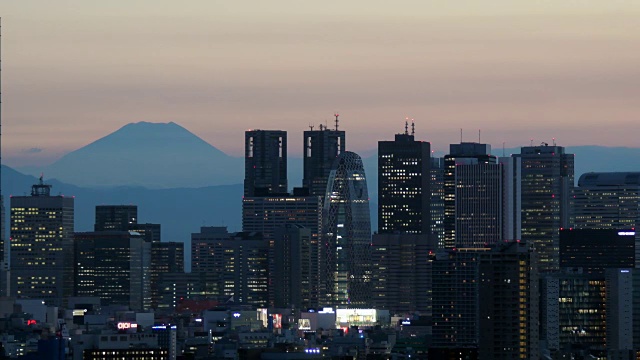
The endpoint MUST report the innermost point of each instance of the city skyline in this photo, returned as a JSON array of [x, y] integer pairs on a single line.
[[517, 70]]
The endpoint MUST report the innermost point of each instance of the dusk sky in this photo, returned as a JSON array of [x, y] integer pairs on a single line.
[[74, 71]]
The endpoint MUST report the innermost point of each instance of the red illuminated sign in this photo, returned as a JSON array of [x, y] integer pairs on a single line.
[[31, 322]]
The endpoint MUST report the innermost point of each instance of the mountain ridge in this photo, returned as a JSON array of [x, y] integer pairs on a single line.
[[153, 155]]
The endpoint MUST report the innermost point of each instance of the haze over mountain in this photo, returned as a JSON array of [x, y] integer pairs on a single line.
[[166, 155], [153, 155]]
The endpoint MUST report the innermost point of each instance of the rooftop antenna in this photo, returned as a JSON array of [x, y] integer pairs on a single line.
[[531, 142], [320, 127], [554, 141], [413, 127], [460, 135], [311, 127], [337, 121], [406, 127]]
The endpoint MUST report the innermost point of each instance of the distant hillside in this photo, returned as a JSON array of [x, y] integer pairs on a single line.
[[153, 155]]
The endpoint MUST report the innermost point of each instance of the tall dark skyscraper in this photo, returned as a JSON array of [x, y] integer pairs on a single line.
[[265, 162], [481, 198], [547, 196], [404, 194], [114, 266], [166, 257], [293, 277], [236, 264], [321, 148], [401, 272], [115, 217], [509, 297], [42, 245], [437, 200], [267, 214], [345, 253]]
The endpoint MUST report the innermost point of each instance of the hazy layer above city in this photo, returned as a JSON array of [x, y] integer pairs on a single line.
[[74, 71]]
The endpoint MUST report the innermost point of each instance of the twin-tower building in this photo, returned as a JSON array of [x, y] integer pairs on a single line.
[[319, 234]]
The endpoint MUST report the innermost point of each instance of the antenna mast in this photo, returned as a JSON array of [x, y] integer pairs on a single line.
[[336, 115], [406, 127]]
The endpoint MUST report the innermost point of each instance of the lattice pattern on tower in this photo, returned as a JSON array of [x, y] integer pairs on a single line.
[[346, 225]]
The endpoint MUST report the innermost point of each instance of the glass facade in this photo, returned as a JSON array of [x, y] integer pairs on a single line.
[[346, 227]]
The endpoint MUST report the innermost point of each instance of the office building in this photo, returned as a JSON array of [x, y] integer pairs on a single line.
[[345, 252], [149, 232], [595, 250], [236, 263], [321, 148], [437, 200], [42, 245], [114, 266], [509, 297], [620, 314], [404, 194], [485, 302], [268, 214], [456, 301], [608, 200], [292, 276], [125, 218], [481, 197], [546, 199], [574, 312], [115, 217], [401, 272], [166, 257], [265, 162]]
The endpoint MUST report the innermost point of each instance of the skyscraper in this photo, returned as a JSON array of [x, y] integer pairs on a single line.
[[114, 266], [293, 276], [346, 235], [42, 245], [401, 272], [575, 311], [166, 257], [404, 194], [265, 162], [546, 187], [595, 250], [235, 262], [608, 200], [485, 303], [480, 197], [321, 148], [509, 302], [115, 217], [268, 214], [437, 199], [456, 301]]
